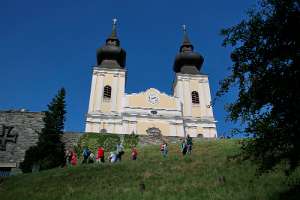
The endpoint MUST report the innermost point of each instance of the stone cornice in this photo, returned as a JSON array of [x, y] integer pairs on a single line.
[[186, 120], [149, 109], [103, 71]]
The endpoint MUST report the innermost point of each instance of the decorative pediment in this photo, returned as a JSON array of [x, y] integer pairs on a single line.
[[152, 98], [149, 91]]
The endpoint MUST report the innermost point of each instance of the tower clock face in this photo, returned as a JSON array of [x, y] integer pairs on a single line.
[[153, 98]]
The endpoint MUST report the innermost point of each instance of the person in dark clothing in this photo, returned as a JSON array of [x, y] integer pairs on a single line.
[[120, 151], [183, 148], [86, 154], [189, 142], [68, 157], [165, 150]]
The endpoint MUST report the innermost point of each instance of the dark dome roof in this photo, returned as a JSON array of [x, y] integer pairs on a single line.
[[187, 61], [111, 55], [114, 55]]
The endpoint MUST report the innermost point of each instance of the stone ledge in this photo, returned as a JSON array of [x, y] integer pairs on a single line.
[[8, 165]]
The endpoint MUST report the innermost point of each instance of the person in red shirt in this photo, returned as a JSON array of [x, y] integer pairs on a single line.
[[73, 158], [100, 155], [134, 153]]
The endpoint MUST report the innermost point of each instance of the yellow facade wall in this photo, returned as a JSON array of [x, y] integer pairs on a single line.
[[143, 126], [194, 85], [141, 100], [108, 80], [200, 130], [196, 110]]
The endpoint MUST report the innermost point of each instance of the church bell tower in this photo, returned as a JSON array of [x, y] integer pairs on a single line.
[[191, 86], [108, 86]]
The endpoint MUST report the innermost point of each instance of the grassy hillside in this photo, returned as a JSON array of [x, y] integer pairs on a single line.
[[207, 174]]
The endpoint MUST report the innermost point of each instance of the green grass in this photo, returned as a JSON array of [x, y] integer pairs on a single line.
[[176, 177]]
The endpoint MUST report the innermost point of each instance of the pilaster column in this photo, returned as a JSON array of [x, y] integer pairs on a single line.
[[202, 98], [115, 90], [99, 91], [187, 99], [92, 93]]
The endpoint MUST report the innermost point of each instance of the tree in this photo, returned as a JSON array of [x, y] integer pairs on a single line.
[[49, 151], [266, 71]]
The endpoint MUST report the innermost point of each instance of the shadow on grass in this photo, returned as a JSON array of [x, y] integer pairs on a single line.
[[292, 194]]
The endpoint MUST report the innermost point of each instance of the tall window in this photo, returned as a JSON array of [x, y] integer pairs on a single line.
[[107, 92], [195, 97]]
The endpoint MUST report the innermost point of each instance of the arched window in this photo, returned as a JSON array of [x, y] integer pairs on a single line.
[[195, 97], [107, 92]]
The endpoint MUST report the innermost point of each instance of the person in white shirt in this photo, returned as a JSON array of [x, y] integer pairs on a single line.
[[112, 157], [91, 158]]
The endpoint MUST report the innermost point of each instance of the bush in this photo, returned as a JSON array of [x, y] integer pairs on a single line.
[[131, 140], [108, 141], [94, 140]]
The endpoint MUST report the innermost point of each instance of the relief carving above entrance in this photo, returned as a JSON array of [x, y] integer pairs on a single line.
[[155, 132]]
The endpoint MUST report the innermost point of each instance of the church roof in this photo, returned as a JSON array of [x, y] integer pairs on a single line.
[[111, 55], [187, 61]]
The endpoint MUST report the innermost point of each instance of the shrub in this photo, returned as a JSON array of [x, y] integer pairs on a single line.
[[131, 140], [108, 141], [94, 140]]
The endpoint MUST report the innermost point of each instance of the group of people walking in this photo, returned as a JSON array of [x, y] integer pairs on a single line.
[[89, 157], [185, 147], [116, 156]]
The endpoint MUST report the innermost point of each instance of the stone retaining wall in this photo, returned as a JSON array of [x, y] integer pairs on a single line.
[[71, 139], [18, 131]]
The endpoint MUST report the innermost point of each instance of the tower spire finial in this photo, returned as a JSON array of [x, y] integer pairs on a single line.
[[114, 27], [186, 41], [114, 21], [184, 28]]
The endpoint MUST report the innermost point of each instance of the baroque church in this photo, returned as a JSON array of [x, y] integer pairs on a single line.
[[187, 111]]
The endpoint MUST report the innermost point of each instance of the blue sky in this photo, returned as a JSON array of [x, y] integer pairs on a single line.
[[45, 45]]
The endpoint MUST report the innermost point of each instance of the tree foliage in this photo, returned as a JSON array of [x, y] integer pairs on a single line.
[[265, 69], [49, 151]]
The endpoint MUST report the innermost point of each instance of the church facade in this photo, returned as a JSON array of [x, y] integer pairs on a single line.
[[187, 111]]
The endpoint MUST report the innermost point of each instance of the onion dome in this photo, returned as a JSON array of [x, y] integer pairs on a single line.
[[187, 61], [111, 55]]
